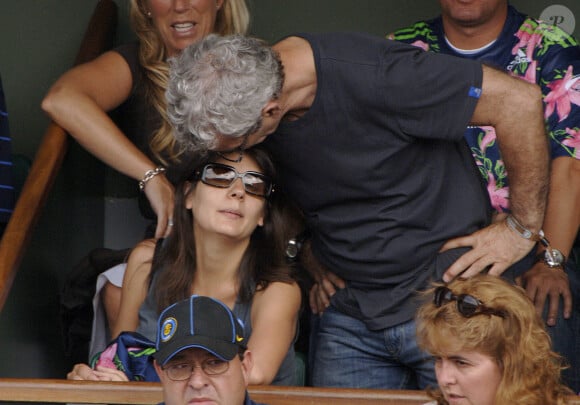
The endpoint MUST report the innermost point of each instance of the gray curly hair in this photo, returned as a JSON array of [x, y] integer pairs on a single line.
[[219, 86]]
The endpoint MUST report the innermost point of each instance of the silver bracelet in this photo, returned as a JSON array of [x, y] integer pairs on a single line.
[[149, 174], [526, 233]]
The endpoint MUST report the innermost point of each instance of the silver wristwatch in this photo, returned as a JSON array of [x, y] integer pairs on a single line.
[[293, 248], [552, 258], [294, 245]]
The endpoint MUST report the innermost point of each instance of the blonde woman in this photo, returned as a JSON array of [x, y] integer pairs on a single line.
[[489, 345], [133, 78]]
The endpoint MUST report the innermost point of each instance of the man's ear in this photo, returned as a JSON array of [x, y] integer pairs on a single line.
[[158, 370], [247, 364], [271, 109]]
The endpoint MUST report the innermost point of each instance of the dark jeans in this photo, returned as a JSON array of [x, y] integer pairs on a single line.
[[347, 354]]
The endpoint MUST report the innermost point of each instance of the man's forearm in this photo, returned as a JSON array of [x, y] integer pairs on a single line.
[[515, 109], [563, 210]]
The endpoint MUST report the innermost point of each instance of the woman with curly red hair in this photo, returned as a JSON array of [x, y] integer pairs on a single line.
[[489, 345]]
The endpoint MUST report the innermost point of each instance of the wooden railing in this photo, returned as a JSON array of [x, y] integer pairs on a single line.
[[98, 392], [334, 396], [98, 37], [92, 392]]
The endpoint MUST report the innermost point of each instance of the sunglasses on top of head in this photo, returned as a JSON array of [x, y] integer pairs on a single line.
[[223, 176], [467, 305]]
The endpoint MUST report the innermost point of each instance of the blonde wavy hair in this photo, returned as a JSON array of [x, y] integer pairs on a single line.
[[232, 18], [518, 342]]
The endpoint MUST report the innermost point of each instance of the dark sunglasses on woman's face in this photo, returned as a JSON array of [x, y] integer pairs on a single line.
[[467, 305], [223, 176]]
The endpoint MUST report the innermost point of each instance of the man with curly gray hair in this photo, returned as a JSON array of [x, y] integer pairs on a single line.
[[224, 83], [368, 135]]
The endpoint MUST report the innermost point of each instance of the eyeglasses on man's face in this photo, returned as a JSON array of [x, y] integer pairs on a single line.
[[223, 176], [184, 371], [467, 305]]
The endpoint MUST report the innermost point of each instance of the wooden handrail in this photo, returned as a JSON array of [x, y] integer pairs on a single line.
[[142, 393], [273, 395], [86, 392], [100, 392], [98, 37], [92, 392]]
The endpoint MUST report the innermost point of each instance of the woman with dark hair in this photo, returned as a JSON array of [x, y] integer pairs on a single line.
[[228, 243]]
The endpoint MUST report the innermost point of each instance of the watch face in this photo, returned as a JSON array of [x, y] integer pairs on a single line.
[[291, 249], [556, 258]]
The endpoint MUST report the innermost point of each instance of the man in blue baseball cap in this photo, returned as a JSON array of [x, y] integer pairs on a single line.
[[201, 354]]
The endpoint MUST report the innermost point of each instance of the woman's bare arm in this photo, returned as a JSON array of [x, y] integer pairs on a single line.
[[274, 325], [135, 287], [79, 101]]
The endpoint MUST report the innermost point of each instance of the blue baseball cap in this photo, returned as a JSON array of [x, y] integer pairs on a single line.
[[199, 322]]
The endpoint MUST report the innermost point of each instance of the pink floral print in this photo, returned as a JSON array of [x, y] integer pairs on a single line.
[[498, 196], [529, 39], [563, 93], [574, 141]]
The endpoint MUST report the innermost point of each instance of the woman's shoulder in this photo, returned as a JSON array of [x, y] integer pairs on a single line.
[[277, 293], [139, 263], [129, 50], [279, 287], [130, 53], [143, 251]]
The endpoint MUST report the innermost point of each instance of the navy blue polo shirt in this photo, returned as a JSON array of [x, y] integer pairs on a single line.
[[379, 166]]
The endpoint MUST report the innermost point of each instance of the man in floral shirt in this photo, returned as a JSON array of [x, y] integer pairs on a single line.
[[499, 35]]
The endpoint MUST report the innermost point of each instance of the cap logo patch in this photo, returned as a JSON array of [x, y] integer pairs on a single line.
[[239, 338], [168, 328]]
